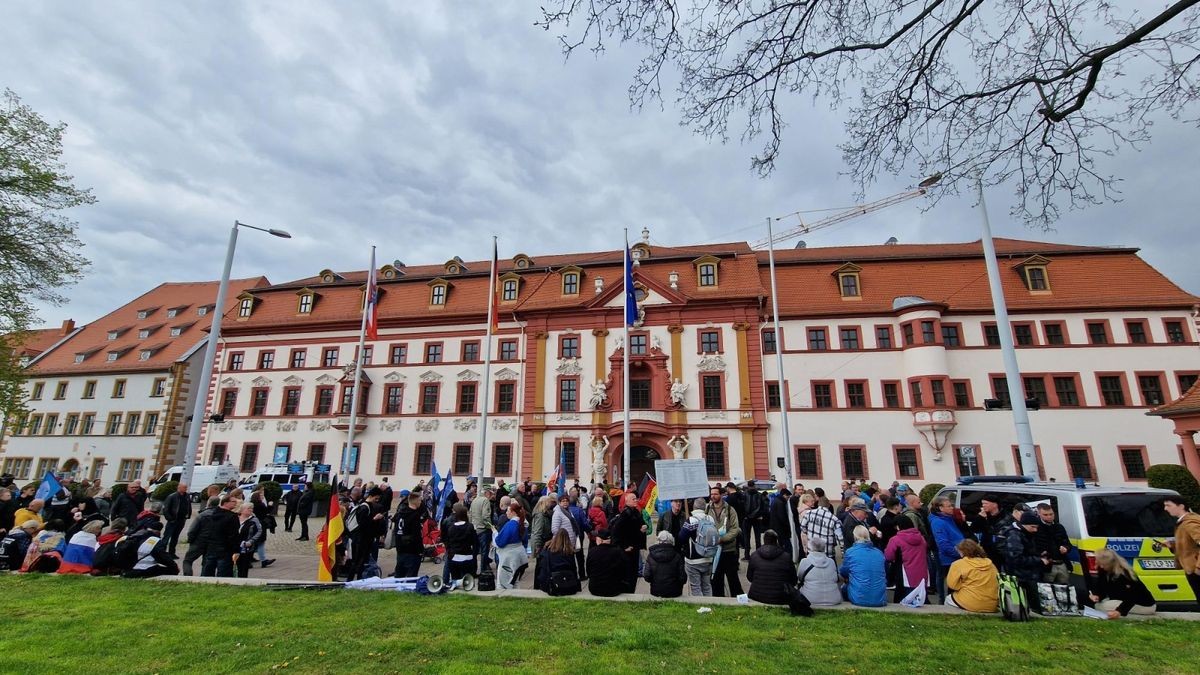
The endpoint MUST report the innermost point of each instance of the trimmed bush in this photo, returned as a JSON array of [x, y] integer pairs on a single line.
[[321, 492], [1177, 478], [163, 491], [930, 491], [271, 490]]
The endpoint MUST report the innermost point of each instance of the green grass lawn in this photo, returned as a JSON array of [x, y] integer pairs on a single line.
[[72, 624]]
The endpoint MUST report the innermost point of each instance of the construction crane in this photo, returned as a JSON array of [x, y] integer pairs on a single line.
[[849, 214]]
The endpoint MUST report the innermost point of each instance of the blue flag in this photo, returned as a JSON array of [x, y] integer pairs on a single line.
[[631, 313], [561, 487], [447, 488], [49, 487], [434, 481]]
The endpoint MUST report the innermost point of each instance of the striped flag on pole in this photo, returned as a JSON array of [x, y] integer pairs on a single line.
[[372, 302]]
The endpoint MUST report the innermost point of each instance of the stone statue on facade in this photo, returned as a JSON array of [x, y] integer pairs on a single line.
[[679, 445], [678, 392], [599, 394], [599, 446]]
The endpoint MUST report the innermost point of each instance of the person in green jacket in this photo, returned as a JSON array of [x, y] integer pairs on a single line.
[[726, 520]]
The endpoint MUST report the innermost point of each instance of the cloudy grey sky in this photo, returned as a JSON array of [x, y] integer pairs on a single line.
[[426, 127]]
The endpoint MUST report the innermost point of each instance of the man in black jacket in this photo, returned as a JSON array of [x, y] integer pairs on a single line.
[[408, 521], [291, 503], [304, 507], [771, 572], [757, 511], [176, 510], [605, 567], [629, 534], [129, 503], [219, 536], [1054, 544], [1022, 558], [991, 527], [196, 547], [781, 517]]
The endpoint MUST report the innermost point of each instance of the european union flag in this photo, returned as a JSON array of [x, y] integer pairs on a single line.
[[631, 313]]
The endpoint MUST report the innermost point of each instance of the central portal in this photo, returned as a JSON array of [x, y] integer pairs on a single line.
[[641, 462]]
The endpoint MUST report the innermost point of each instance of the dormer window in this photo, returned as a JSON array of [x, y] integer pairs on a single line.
[[172, 313], [392, 271], [509, 286], [522, 261], [245, 305], [708, 274], [639, 252], [1034, 273], [849, 281], [112, 356], [176, 331], [145, 354], [305, 302], [143, 333], [707, 267], [144, 313], [571, 276], [438, 290], [80, 357], [203, 309], [329, 276], [455, 266], [114, 334]]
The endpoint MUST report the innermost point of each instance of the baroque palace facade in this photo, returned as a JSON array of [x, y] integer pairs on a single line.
[[889, 352]]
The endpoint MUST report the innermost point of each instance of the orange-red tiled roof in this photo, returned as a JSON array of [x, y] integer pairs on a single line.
[[93, 338], [1188, 404], [30, 343]]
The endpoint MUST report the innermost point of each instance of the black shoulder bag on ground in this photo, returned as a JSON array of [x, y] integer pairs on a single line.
[[797, 602]]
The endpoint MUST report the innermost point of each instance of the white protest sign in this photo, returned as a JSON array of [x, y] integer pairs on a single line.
[[681, 478]]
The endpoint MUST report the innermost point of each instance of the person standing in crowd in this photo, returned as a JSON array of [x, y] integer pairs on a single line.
[[726, 520], [779, 517], [771, 572], [1022, 558], [664, 568], [266, 521], [818, 522], [737, 499], [386, 494], [1053, 542], [1116, 591], [907, 550], [820, 576], [597, 516], [539, 524], [291, 506], [888, 519], [8, 510], [972, 579], [196, 546], [176, 509], [755, 523], [672, 520], [859, 515], [480, 515], [462, 545], [129, 503], [991, 527], [219, 535], [408, 521], [697, 564], [250, 531], [583, 525], [1187, 540], [629, 534], [946, 536], [304, 509], [511, 558], [863, 570], [605, 567]]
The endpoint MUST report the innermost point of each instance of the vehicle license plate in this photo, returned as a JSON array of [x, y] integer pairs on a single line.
[[1159, 564]]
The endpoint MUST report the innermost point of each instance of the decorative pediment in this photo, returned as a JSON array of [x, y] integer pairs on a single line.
[[393, 271], [431, 376], [293, 381], [329, 276], [847, 268], [522, 261], [468, 375], [455, 266], [1032, 260], [395, 376], [569, 367], [261, 381], [712, 364], [507, 374], [229, 382], [326, 379]]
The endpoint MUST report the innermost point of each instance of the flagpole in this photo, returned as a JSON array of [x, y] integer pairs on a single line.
[[362, 342], [481, 454], [625, 361], [783, 418]]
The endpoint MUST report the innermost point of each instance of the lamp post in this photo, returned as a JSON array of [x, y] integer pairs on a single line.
[[210, 351]]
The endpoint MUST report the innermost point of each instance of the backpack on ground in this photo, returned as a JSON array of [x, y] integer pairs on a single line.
[[708, 539], [125, 553], [486, 581], [1014, 604], [564, 583]]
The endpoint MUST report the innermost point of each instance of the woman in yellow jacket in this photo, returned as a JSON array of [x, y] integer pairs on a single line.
[[972, 579]]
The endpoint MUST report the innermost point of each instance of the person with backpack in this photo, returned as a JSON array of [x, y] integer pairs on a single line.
[[148, 555], [664, 568], [700, 543]]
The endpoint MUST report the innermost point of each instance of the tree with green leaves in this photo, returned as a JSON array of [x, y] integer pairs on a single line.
[[1028, 93], [39, 249]]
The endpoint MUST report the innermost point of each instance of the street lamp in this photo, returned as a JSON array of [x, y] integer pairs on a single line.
[[210, 350]]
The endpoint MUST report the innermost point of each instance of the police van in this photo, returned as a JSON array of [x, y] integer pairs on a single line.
[[1129, 520], [202, 476], [289, 475]]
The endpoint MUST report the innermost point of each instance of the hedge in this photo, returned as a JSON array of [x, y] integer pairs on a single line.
[[1177, 478]]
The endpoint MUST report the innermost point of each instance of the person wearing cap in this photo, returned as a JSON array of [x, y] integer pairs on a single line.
[[605, 567], [991, 526], [1022, 558], [859, 515], [153, 559]]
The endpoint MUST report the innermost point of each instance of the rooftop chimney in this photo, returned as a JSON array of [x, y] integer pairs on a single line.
[[67, 327]]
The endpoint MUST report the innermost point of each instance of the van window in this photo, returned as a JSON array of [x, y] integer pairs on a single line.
[[970, 500], [1127, 515]]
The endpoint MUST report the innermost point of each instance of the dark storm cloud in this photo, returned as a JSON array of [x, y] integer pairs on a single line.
[[425, 128]]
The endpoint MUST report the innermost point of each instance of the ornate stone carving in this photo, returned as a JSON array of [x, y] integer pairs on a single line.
[[504, 423], [740, 326], [567, 417], [225, 426], [320, 425], [599, 447], [712, 364], [430, 376], [468, 375], [229, 382], [326, 379], [348, 370], [293, 381], [679, 446], [674, 328], [678, 393], [289, 425], [427, 425], [569, 367], [465, 424], [656, 343], [507, 374], [713, 415], [599, 396], [389, 425], [394, 376], [261, 381], [255, 425], [600, 332]]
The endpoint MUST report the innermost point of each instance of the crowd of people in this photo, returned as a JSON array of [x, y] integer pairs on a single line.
[[874, 542]]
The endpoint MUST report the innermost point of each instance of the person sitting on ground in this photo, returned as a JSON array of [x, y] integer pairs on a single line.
[[556, 571], [820, 576], [46, 549], [462, 545], [31, 512], [153, 558], [770, 572], [80, 554], [605, 567], [863, 570], [972, 580], [16, 544], [151, 514], [664, 567], [1115, 589], [908, 548]]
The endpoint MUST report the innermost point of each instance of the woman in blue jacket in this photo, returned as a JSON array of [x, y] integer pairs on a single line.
[[863, 570], [946, 536], [511, 558]]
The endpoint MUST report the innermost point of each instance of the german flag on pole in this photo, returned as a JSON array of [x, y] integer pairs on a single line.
[[330, 533], [493, 288], [649, 497]]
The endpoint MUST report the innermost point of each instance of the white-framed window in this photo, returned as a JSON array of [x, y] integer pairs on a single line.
[[510, 290], [246, 307], [437, 295], [306, 304]]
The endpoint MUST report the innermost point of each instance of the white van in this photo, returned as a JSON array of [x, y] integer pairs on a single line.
[[202, 477], [287, 475]]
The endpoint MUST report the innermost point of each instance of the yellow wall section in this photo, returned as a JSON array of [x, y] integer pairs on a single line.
[[677, 416], [748, 467], [743, 356], [539, 401]]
